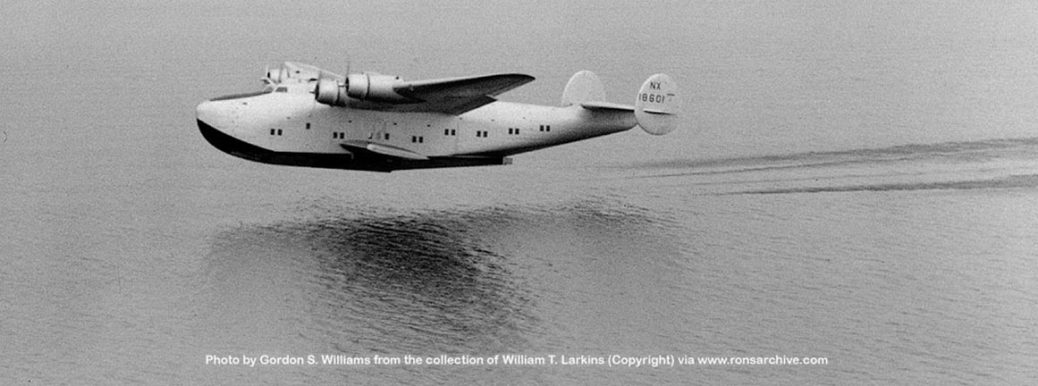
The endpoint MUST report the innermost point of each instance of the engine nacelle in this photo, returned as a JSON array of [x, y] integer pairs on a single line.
[[375, 87], [330, 92], [369, 86]]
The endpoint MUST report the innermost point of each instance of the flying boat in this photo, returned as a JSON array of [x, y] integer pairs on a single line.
[[305, 116]]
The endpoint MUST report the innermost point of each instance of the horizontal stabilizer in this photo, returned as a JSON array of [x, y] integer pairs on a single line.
[[391, 151], [606, 106]]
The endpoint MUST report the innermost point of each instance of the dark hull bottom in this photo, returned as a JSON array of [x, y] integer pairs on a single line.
[[357, 161]]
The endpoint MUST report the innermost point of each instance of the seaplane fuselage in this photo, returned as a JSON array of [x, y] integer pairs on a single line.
[[287, 125]]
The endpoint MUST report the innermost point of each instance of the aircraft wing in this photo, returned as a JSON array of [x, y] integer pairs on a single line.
[[457, 95]]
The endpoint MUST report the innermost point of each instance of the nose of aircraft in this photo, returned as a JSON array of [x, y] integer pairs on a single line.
[[216, 115], [216, 122], [208, 112]]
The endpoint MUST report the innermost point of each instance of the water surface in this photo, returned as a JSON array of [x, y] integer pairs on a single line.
[[852, 181]]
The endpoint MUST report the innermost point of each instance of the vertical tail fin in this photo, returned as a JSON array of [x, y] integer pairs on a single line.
[[656, 105], [583, 86]]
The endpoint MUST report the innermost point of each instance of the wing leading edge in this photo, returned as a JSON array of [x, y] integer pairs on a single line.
[[388, 93]]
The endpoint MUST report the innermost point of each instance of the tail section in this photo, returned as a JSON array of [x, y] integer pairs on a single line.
[[656, 105], [584, 86]]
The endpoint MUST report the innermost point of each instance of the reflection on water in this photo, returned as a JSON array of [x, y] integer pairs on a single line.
[[362, 281], [426, 276], [378, 279]]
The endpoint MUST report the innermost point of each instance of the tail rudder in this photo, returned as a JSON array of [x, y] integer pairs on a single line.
[[656, 106]]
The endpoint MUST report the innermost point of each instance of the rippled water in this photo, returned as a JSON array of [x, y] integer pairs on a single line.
[[834, 193]]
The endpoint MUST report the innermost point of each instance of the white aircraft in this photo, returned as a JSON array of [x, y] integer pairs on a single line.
[[306, 116]]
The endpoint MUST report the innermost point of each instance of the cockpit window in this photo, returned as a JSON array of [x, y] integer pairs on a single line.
[[281, 89]]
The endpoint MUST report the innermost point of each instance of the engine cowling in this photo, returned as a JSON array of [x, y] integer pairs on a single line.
[[374, 87], [330, 92], [368, 86]]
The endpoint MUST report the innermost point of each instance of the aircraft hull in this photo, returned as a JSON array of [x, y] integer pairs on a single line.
[[356, 160]]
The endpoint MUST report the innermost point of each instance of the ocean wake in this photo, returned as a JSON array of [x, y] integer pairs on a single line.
[[989, 164]]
